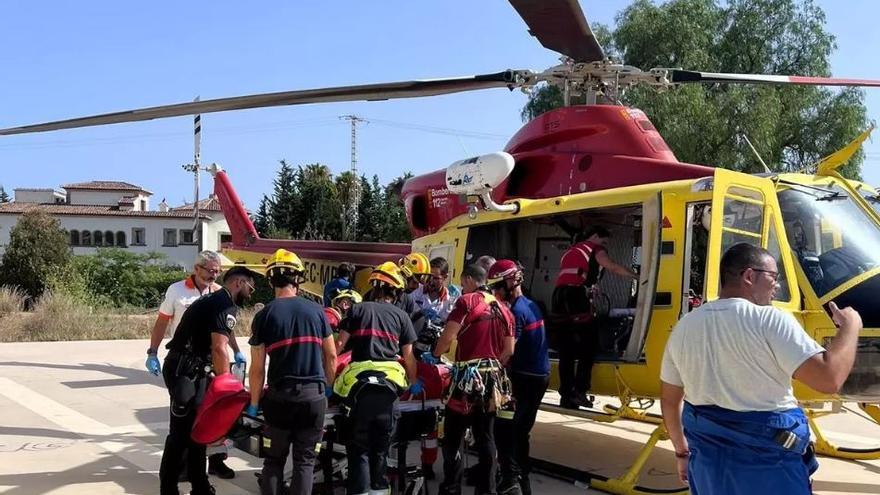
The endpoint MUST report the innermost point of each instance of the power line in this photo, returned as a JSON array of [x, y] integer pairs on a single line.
[[440, 130]]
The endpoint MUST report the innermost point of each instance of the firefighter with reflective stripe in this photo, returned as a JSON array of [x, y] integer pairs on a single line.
[[483, 330], [377, 333], [339, 306], [529, 374], [580, 268], [416, 269], [295, 335], [178, 297]]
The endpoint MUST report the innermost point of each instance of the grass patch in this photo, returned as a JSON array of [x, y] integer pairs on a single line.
[[12, 300], [59, 317], [62, 317]]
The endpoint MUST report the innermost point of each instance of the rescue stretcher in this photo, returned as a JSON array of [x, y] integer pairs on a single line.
[[221, 415], [417, 418]]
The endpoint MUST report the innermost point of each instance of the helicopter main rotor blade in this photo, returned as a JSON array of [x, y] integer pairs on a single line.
[[367, 92], [561, 26], [686, 76]]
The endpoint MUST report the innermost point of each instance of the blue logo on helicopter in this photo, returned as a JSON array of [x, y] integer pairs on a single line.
[[467, 179]]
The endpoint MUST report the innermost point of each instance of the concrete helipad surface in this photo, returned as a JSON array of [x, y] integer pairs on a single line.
[[84, 417]]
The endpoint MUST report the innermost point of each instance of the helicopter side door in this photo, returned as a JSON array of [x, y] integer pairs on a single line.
[[745, 209]]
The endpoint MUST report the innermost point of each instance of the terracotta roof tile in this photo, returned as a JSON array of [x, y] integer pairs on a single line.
[[105, 185], [88, 210], [207, 204]]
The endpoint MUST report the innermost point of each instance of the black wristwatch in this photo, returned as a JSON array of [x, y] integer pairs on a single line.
[[152, 351]]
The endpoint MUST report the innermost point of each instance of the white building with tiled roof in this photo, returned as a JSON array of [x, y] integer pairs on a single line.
[[114, 213]]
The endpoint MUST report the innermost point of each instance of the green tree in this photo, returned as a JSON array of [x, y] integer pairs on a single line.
[[4, 198], [321, 208], [263, 220], [348, 189], [394, 225], [38, 250], [284, 206], [370, 210], [792, 127], [123, 278]]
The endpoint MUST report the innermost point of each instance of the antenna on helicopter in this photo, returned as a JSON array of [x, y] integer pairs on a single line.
[[766, 168]]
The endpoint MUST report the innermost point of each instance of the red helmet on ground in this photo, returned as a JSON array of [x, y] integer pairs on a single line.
[[503, 271]]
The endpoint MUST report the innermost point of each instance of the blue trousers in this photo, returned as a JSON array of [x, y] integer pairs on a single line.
[[736, 453]]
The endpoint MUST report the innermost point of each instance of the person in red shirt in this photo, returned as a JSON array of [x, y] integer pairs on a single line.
[[580, 268], [484, 330]]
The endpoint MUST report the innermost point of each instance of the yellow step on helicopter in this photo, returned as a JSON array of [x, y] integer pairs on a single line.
[[605, 164]]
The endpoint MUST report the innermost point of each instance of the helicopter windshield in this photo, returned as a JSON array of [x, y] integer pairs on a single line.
[[873, 198], [833, 238]]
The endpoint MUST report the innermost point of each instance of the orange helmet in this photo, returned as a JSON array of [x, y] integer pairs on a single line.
[[387, 274], [414, 264]]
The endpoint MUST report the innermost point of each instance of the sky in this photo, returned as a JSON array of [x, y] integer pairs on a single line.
[[67, 59]]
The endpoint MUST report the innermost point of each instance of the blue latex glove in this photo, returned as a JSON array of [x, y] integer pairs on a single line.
[[416, 388], [429, 358], [153, 365], [239, 358], [431, 314], [328, 391], [252, 410]]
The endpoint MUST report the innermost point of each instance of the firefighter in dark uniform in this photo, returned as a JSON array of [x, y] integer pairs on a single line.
[[580, 268], [529, 374], [295, 334], [483, 329], [198, 346], [377, 333]]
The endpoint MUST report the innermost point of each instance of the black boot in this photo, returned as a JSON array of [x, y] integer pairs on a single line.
[[525, 485], [509, 486], [218, 468], [428, 471]]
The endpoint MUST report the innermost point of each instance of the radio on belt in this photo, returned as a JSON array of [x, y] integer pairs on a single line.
[[476, 178]]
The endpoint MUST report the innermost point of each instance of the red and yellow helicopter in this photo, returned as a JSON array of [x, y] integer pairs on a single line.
[[606, 164]]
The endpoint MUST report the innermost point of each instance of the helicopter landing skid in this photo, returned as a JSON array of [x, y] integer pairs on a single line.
[[826, 448], [626, 484], [627, 412]]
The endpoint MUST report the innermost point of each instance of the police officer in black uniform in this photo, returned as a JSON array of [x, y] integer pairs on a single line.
[[198, 346], [295, 334], [377, 333]]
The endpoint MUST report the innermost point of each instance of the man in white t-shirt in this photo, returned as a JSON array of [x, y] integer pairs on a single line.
[[726, 391], [179, 296], [436, 297]]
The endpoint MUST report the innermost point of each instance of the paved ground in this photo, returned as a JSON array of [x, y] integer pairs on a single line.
[[83, 417]]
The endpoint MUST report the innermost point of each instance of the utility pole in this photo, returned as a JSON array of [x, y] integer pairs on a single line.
[[351, 227], [194, 168]]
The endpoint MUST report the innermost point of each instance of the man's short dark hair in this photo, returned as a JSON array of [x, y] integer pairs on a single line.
[[738, 258], [238, 272], [282, 280], [476, 272], [345, 270], [597, 230], [440, 264]]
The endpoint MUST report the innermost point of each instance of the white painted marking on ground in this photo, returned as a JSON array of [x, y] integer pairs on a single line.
[[128, 447]]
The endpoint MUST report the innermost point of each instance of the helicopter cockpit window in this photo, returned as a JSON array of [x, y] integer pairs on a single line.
[[743, 217], [832, 237], [782, 292]]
